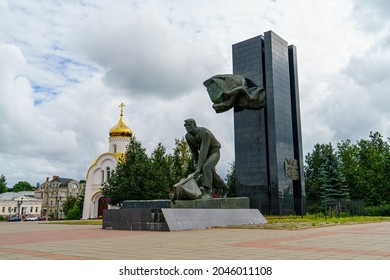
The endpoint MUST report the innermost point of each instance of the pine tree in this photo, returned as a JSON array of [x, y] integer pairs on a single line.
[[324, 178], [314, 177], [333, 186], [325, 185]]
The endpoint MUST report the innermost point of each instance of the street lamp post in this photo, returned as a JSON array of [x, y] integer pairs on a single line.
[[57, 207], [19, 202], [45, 197]]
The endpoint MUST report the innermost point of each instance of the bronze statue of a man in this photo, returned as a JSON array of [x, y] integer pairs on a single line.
[[205, 151]]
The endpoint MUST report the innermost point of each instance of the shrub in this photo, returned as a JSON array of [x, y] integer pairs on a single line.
[[74, 214], [315, 208], [382, 210], [2, 218]]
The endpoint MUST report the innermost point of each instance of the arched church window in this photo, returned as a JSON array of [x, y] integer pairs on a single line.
[[108, 172], [115, 148], [102, 176]]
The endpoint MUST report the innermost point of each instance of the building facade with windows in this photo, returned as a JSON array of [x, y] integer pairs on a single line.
[[101, 169], [20, 204], [53, 194]]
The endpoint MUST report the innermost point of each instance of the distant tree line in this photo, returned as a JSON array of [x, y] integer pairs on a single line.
[[359, 171], [18, 187]]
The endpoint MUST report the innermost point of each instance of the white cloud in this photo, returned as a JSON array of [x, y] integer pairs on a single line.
[[17, 111], [371, 16], [146, 56]]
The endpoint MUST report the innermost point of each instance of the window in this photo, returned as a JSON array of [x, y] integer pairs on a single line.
[[115, 148], [31, 209], [36, 209], [3, 210], [108, 172], [102, 176]]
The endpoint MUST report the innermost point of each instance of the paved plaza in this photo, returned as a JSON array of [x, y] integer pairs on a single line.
[[47, 241]]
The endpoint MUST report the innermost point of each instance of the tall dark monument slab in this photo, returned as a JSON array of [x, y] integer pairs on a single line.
[[268, 144]]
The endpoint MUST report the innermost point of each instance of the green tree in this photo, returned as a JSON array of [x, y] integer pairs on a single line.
[[3, 184], [70, 203], [162, 173], [351, 169], [138, 176], [74, 209], [132, 178], [314, 176], [325, 185], [374, 163], [366, 167], [22, 186], [231, 180], [360, 171], [324, 179], [182, 164], [332, 180], [74, 214]]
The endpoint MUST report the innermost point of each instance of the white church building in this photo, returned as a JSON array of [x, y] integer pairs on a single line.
[[100, 170]]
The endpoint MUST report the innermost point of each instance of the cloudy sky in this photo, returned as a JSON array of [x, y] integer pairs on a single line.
[[65, 66]]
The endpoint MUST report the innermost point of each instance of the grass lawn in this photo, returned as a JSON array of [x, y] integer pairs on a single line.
[[310, 221], [77, 222]]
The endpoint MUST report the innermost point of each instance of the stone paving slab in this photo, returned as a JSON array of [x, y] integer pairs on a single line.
[[45, 241]]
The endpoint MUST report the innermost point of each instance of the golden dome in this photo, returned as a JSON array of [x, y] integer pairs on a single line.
[[121, 129]]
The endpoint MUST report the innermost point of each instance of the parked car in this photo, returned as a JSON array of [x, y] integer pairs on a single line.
[[14, 219], [43, 218], [34, 218]]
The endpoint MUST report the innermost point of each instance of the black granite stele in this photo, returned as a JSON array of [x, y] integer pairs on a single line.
[[163, 215], [266, 138]]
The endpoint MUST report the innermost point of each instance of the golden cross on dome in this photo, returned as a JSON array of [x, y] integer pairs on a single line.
[[122, 106]]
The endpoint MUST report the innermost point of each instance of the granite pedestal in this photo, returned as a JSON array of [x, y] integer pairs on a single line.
[[163, 215]]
